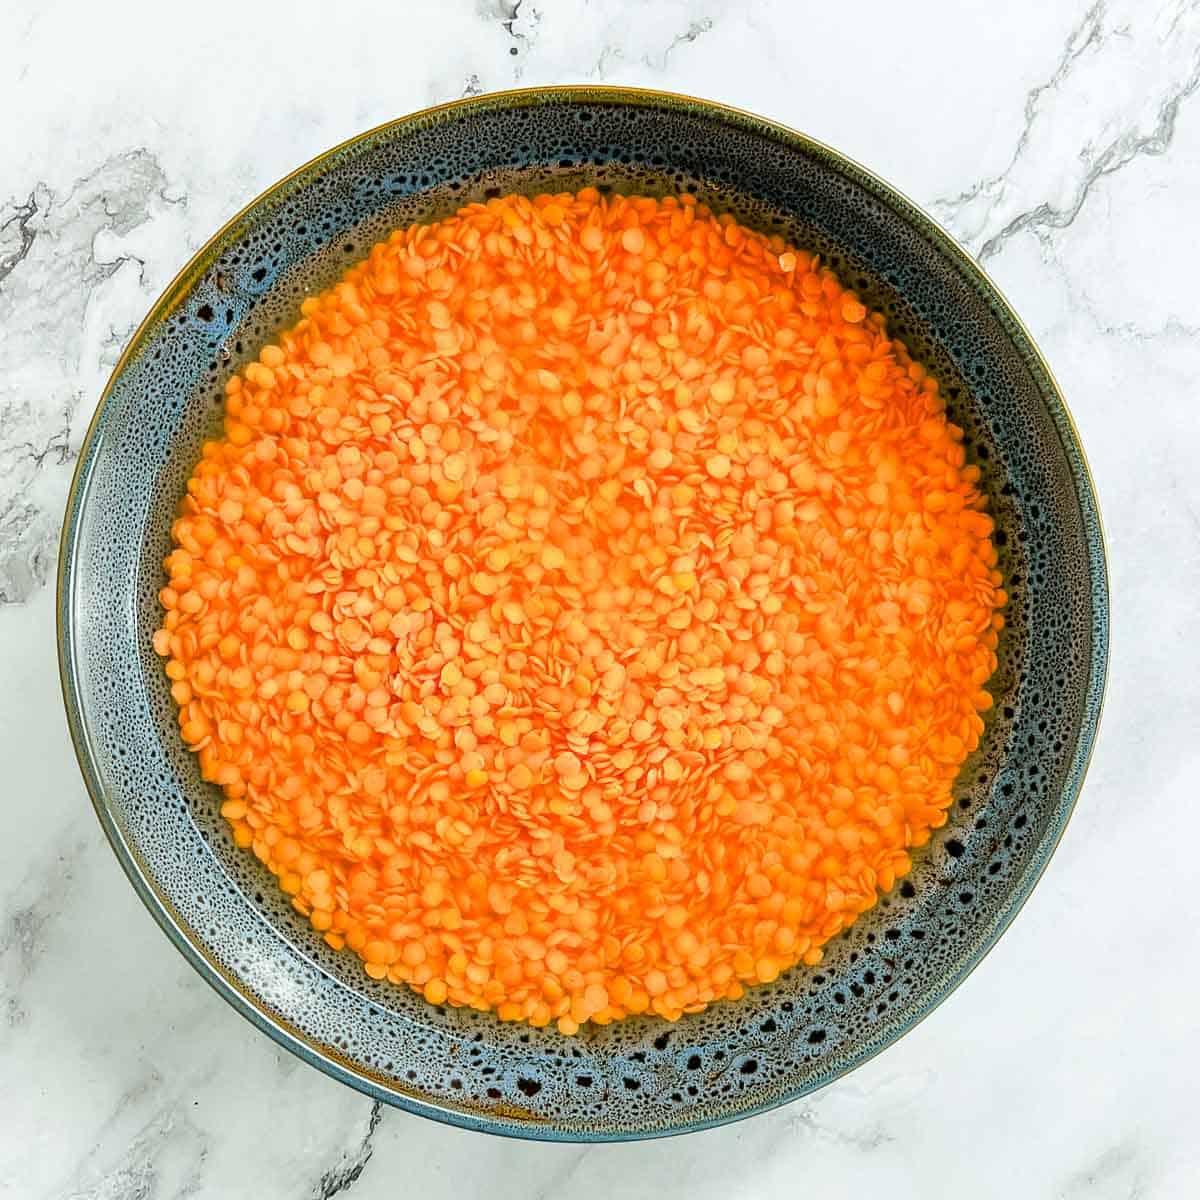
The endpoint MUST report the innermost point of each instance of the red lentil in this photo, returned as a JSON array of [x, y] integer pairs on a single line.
[[586, 610]]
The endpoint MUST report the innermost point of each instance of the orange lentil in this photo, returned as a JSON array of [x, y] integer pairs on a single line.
[[586, 609]]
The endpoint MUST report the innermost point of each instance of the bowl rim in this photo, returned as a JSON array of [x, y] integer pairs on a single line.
[[227, 986]]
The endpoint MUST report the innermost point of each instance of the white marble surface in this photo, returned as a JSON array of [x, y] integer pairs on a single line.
[[1061, 143]]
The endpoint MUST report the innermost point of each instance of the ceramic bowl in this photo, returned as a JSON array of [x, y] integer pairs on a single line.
[[640, 1077]]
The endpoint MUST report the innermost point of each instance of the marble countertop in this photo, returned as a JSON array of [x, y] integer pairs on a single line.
[[1059, 141]]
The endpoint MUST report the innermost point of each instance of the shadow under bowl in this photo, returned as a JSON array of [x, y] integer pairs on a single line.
[[640, 1077]]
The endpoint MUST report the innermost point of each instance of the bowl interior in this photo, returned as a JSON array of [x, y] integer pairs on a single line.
[[642, 1076]]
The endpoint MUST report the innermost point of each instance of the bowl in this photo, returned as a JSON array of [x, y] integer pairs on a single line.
[[640, 1077]]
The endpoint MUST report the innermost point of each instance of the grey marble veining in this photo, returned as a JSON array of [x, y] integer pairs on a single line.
[[1056, 163], [1060, 142], [62, 253]]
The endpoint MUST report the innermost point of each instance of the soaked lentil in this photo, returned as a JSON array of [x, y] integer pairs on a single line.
[[586, 609]]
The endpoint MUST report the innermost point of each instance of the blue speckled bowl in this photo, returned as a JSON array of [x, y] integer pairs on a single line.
[[640, 1077]]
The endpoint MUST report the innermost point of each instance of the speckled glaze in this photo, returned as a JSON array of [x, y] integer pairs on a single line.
[[640, 1077]]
